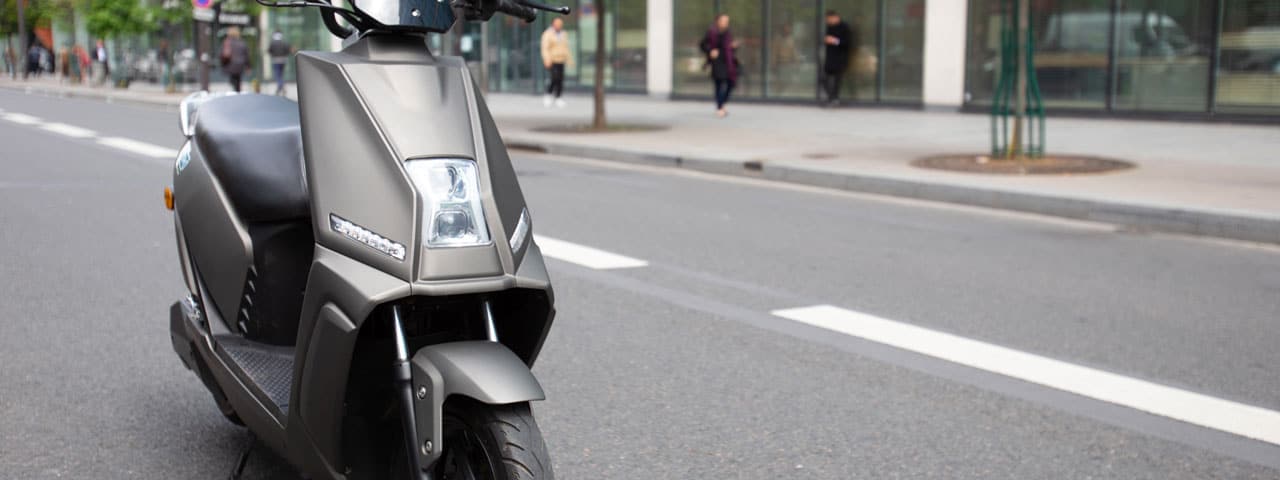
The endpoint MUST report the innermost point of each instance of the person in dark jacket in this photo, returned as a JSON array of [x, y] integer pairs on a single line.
[[235, 57], [721, 52], [280, 51], [841, 41]]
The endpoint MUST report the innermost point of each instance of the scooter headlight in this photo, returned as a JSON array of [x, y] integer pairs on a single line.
[[450, 191]]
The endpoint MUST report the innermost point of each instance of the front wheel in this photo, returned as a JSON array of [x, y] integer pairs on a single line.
[[491, 442]]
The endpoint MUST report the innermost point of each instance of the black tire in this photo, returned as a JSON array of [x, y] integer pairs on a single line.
[[488, 442]]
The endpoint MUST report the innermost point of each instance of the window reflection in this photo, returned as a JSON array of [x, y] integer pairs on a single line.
[[1162, 54], [1249, 63]]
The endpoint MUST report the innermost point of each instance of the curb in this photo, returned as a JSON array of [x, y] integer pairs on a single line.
[[107, 95], [1156, 218]]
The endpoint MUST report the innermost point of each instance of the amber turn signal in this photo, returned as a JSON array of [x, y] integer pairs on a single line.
[[168, 198]]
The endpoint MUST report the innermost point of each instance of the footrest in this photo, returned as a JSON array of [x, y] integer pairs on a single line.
[[270, 367]]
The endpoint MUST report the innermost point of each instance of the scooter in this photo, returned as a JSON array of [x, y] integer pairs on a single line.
[[365, 292]]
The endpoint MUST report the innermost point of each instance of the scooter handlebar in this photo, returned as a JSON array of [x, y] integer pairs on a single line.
[[511, 7]]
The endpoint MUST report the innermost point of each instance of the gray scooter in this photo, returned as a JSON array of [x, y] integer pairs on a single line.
[[366, 295]]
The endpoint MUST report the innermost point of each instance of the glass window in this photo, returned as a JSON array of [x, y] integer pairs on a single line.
[[693, 18], [1249, 58], [860, 81], [630, 44], [1072, 40], [747, 23], [512, 53], [792, 66], [903, 50], [1072, 37], [982, 60], [1162, 54]]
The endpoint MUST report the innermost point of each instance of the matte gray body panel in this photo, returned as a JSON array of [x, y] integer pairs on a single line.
[[377, 104], [484, 371], [341, 292], [216, 239]]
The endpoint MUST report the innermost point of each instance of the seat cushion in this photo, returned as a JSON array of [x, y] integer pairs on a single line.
[[253, 143]]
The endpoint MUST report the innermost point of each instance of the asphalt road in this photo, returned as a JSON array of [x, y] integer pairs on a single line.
[[676, 369]]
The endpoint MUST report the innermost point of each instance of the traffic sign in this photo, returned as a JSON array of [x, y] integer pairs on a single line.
[[202, 3]]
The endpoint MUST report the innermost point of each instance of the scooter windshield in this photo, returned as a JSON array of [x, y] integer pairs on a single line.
[[429, 15]]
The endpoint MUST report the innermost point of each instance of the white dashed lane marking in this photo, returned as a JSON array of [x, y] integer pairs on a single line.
[[23, 119], [585, 256], [139, 148], [1194, 408], [69, 130]]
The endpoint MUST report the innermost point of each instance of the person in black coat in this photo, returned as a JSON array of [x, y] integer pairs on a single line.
[[841, 41]]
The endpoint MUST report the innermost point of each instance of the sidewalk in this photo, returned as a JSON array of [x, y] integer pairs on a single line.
[[1196, 178]]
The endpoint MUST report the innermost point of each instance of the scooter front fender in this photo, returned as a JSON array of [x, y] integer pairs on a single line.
[[486, 372]]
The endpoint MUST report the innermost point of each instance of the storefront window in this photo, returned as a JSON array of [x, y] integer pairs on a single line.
[[693, 18], [1249, 63], [861, 78], [747, 18], [510, 50], [1162, 54], [903, 63], [630, 44], [792, 66]]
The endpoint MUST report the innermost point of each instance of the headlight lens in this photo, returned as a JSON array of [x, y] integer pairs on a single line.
[[450, 190]]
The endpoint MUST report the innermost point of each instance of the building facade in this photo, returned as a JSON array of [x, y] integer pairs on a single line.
[[1165, 58]]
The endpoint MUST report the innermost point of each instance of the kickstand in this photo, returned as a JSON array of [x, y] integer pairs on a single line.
[[244, 457]]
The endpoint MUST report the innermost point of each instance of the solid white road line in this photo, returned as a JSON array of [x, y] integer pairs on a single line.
[[585, 256], [69, 130], [140, 148], [22, 119], [1203, 410]]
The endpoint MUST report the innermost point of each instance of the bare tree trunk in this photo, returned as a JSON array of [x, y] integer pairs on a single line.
[[598, 122], [1020, 117]]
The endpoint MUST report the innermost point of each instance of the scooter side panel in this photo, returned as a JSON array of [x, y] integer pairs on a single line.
[[507, 195], [341, 293], [217, 241]]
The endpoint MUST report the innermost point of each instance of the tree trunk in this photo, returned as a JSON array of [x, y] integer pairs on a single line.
[[598, 122], [1020, 117]]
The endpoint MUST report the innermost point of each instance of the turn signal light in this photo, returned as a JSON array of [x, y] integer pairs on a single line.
[[168, 198]]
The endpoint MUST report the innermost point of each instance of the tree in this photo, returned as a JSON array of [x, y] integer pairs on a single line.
[[598, 121], [113, 18]]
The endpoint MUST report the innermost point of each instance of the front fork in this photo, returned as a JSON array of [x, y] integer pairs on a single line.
[[402, 373]]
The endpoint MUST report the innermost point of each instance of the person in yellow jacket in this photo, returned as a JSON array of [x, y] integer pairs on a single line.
[[555, 54]]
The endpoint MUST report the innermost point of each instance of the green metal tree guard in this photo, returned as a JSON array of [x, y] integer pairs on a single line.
[[1017, 108]]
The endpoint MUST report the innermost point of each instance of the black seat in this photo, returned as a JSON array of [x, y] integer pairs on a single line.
[[253, 143]]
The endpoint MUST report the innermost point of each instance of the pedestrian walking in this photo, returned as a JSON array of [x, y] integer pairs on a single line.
[[721, 51], [555, 55], [235, 58], [101, 63], [33, 59], [86, 64], [10, 64], [165, 57], [841, 41], [280, 50]]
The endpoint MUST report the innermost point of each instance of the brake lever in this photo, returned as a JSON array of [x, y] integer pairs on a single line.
[[563, 10]]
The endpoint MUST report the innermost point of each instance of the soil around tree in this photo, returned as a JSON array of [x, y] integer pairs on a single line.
[[1046, 165], [611, 128]]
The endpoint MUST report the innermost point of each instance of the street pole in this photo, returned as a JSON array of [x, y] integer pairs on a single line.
[[1020, 116], [22, 39]]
